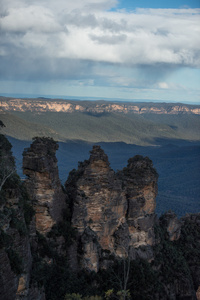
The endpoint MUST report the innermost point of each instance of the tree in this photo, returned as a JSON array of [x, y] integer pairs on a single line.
[[120, 277], [6, 171], [1, 124], [7, 165]]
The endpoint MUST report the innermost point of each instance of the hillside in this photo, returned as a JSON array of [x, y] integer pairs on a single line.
[[144, 129], [171, 140]]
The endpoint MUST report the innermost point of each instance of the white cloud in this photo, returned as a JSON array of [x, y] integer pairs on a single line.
[[32, 18], [40, 37], [140, 37], [163, 85]]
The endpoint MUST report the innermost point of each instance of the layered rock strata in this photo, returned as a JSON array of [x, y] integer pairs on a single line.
[[113, 212], [68, 106], [43, 184]]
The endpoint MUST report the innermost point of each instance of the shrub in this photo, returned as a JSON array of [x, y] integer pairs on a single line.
[[15, 261]]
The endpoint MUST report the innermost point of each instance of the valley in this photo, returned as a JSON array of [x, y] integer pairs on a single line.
[[167, 133]]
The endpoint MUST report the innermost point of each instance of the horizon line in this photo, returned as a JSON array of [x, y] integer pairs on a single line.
[[85, 98]]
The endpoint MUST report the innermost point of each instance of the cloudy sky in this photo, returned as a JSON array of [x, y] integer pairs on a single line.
[[101, 48]]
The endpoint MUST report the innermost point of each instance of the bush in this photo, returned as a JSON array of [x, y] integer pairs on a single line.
[[15, 261], [5, 239], [73, 296], [17, 223], [24, 203]]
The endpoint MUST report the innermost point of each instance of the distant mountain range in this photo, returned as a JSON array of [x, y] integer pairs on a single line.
[[99, 121], [96, 107]]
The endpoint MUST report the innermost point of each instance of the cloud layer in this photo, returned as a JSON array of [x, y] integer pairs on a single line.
[[75, 40]]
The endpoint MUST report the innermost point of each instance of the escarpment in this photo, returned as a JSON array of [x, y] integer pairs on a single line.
[[114, 210]]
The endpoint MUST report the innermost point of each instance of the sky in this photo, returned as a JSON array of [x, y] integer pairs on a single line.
[[127, 50]]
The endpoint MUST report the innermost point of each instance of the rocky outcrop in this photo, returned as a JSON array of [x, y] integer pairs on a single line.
[[172, 224], [139, 179], [24, 214], [67, 106], [113, 212], [198, 293], [15, 243], [43, 184]]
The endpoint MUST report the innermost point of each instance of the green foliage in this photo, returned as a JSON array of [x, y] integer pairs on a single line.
[[129, 128], [109, 294], [73, 296], [142, 283], [1, 124], [120, 295], [17, 222], [25, 205], [40, 270], [93, 298], [146, 280], [15, 261], [15, 219], [50, 140], [45, 247], [54, 274], [12, 182], [5, 145], [169, 258], [8, 176], [5, 239], [28, 212], [64, 228], [189, 242]]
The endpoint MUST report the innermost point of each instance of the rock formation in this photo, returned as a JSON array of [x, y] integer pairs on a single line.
[[113, 212], [172, 224], [15, 243], [68, 106], [19, 222], [43, 184]]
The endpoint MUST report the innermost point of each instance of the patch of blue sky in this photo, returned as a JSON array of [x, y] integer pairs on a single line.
[[187, 77], [133, 4]]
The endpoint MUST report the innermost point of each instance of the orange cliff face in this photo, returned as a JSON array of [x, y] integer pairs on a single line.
[[43, 184], [113, 212], [39, 106]]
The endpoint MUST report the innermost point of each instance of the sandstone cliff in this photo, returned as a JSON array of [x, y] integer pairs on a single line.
[[55, 105], [23, 214], [43, 184], [116, 231], [16, 213], [113, 212]]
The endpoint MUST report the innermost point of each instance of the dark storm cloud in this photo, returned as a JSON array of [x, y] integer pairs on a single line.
[[25, 67]]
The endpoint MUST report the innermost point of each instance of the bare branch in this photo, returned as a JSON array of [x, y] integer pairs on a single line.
[[5, 177]]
